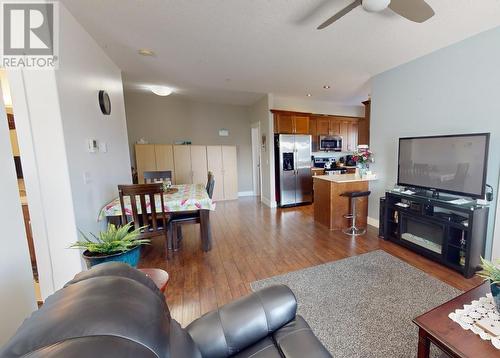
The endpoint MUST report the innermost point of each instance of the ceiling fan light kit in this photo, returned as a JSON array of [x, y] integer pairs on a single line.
[[375, 5]]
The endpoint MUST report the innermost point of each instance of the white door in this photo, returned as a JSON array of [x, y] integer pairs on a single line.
[[214, 163], [199, 164], [256, 160], [230, 164], [182, 164]]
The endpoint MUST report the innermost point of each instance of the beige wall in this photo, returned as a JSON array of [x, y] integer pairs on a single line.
[[259, 112], [173, 118]]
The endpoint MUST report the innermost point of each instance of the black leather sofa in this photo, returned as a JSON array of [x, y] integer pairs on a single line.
[[114, 310]]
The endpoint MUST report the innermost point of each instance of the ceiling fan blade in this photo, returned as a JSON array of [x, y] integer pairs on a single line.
[[413, 10], [341, 13]]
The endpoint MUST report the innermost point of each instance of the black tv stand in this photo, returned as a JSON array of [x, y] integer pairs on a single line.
[[453, 235]]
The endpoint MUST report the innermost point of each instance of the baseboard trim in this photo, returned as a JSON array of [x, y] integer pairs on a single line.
[[246, 193], [267, 202], [373, 222]]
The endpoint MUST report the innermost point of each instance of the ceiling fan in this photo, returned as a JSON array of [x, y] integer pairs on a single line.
[[413, 10]]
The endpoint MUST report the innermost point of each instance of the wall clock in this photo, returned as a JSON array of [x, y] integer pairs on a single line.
[[104, 102]]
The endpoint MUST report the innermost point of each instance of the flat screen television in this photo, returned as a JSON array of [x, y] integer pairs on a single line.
[[454, 164]]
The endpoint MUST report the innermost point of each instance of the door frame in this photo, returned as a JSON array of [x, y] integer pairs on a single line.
[[256, 159]]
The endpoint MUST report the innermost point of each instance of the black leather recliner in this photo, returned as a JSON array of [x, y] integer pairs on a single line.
[[114, 310]]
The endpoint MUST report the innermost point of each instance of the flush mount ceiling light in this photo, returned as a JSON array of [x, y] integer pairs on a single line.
[[146, 52], [161, 90]]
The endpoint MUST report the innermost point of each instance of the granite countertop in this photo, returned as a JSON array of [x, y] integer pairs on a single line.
[[345, 178]]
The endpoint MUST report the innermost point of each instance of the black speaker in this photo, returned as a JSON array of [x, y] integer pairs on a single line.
[[381, 217]]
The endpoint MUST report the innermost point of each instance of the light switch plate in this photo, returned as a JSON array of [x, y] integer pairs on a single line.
[[87, 178], [92, 145], [103, 147]]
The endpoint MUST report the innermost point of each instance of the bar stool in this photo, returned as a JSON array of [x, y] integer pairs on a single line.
[[354, 195]]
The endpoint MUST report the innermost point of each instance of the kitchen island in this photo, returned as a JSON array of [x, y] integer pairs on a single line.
[[330, 207]]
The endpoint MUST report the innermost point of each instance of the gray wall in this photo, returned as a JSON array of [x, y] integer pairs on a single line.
[[453, 90], [172, 118]]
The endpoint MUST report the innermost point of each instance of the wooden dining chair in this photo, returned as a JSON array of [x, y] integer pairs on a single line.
[[155, 222], [157, 176], [192, 217]]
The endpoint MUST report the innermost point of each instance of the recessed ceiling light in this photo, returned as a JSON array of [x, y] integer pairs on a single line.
[[326, 87], [146, 52], [161, 90], [308, 95]]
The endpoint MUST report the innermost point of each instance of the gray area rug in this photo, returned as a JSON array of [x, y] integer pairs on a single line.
[[363, 306]]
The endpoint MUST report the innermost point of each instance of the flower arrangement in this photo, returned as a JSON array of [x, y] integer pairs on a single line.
[[363, 156]]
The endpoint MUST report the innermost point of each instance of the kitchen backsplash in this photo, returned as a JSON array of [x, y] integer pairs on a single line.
[[335, 155]]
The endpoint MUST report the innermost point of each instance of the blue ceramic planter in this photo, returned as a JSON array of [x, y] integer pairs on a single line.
[[495, 292], [130, 257]]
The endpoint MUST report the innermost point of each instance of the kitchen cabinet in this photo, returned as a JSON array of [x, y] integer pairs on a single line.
[[348, 130], [328, 125], [283, 123], [314, 133], [364, 125], [301, 124], [352, 136], [291, 122], [353, 130], [344, 133], [323, 126]]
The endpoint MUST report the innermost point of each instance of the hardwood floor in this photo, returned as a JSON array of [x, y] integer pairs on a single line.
[[252, 242]]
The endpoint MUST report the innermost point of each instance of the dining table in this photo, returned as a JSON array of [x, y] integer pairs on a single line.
[[180, 199]]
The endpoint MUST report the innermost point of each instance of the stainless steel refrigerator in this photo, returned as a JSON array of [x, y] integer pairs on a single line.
[[293, 169]]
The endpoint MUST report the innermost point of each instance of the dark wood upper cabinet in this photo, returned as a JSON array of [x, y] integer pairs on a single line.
[[364, 125], [323, 126], [353, 130], [301, 124], [10, 118], [283, 123], [290, 122]]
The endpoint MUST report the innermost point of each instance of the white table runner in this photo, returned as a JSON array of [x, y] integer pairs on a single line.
[[478, 309]]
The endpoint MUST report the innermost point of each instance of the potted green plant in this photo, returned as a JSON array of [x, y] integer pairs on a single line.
[[114, 244], [491, 271]]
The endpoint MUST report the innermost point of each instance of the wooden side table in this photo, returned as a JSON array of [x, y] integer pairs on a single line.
[[435, 326], [159, 277]]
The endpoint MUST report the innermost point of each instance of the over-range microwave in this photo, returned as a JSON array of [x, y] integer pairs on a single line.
[[330, 143]]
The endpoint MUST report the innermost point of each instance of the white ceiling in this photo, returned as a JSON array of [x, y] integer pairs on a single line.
[[235, 50]]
